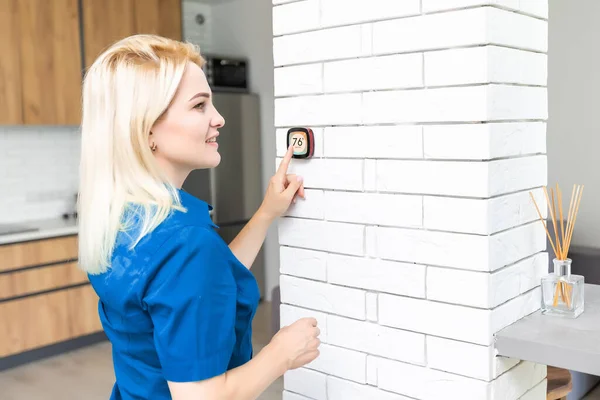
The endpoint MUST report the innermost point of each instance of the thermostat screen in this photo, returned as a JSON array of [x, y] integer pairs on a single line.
[[299, 141]]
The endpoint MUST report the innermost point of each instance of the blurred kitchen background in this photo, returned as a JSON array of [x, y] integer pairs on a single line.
[[51, 345]]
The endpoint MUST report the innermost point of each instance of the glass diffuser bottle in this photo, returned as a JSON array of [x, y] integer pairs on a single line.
[[562, 292]]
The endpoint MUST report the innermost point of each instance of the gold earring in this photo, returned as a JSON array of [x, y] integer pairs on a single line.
[[153, 147]]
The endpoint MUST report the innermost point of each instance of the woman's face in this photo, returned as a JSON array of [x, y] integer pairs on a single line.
[[186, 136]]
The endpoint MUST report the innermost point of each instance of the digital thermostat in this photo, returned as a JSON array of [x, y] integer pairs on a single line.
[[303, 141]]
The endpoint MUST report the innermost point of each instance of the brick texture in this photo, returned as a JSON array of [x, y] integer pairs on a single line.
[[418, 240]]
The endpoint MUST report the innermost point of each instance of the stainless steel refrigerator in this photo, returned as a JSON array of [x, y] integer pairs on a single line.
[[234, 188]]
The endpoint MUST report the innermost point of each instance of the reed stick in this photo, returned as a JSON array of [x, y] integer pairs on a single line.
[[554, 215], [562, 219], [575, 213], [543, 222], [571, 210]]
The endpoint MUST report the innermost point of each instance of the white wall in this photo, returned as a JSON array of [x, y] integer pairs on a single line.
[[574, 105], [572, 135], [199, 34], [38, 172], [244, 28]]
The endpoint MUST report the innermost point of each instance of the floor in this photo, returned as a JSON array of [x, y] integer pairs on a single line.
[[593, 395], [87, 373]]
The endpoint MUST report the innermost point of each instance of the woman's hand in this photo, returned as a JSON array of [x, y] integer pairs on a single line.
[[282, 189], [292, 347], [298, 343], [280, 193]]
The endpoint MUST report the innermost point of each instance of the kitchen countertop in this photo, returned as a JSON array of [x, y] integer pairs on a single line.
[[45, 229], [559, 342]]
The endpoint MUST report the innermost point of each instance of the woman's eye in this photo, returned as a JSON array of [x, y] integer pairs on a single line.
[[199, 106]]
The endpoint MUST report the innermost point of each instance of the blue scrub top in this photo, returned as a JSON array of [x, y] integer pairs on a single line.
[[178, 307]]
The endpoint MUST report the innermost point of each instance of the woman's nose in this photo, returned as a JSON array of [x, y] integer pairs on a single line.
[[218, 120]]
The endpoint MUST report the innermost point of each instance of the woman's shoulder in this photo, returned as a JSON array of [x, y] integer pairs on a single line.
[[175, 234], [184, 236], [192, 218], [191, 252]]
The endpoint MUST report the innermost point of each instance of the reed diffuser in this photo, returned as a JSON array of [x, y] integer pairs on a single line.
[[562, 292]]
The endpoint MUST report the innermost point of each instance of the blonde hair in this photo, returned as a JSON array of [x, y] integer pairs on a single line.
[[125, 91]]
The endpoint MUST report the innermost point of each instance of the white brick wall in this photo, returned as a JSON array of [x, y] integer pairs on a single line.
[[466, 358], [343, 363], [461, 178], [376, 339], [321, 296], [395, 71], [487, 64], [418, 240], [322, 235], [457, 250], [379, 275], [481, 216], [375, 142], [431, 384], [339, 389], [440, 105], [532, 7], [484, 141], [478, 26], [310, 383], [40, 171]]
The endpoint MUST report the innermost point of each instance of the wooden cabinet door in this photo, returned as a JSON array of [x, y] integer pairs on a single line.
[[50, 62], [11, 103], [105, 22], [37, 280], [34, 322], [37, 321], [159, 17], [44, 298], [39, 252]]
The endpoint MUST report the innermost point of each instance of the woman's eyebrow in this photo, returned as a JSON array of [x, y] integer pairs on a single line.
[[201, 94]]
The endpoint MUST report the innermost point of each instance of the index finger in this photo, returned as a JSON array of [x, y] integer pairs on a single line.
[[282, 170]]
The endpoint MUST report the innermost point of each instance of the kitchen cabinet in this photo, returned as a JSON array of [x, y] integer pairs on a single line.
[[11, 101], [40, 71], [50, 62], [106, 22], [29, 254], [44, 298], [47, 45], [160, 17], [26, 281]]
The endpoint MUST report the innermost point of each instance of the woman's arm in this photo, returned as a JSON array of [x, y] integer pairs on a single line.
[[248, 242], [280, 193], [292, 347], [246, 382]]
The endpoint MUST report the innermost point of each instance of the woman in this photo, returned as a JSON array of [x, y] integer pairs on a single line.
[[175, 301]]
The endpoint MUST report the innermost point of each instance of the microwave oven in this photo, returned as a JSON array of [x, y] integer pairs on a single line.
[[226, 73]]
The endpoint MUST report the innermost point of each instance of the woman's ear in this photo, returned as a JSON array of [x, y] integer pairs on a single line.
[[151, 142]]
